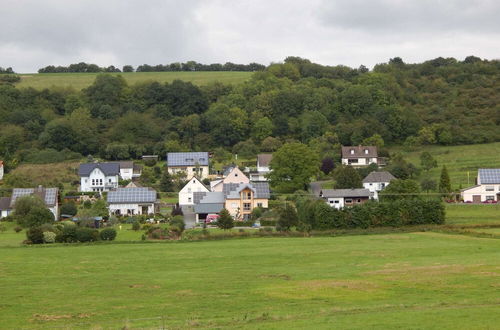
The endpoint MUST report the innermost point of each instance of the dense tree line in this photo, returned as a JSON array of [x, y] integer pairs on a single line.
[[188, 66], [442, 101]]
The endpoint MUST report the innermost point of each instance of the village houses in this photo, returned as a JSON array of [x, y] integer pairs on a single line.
[[376, 182], [340, 198], [263, 167], [48, 195], [132, 201]]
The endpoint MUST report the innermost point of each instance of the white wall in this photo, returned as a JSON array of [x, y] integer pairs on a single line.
[[337, 203], [108, 182], [1, 172], [137, 208], [375, 187], [126, 173], [361, 161], [467, 195], [5, 213], [186, 193]]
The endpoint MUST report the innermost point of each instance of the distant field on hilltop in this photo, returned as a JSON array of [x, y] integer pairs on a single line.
[[81, 80], [459, 160]]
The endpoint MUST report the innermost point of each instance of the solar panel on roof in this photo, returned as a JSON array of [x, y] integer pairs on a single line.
[[489, 175]]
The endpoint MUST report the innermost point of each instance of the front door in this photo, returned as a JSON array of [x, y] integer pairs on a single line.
[[476, 198], [144, 210]]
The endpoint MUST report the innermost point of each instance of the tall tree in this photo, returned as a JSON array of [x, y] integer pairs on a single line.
[[427, 161], [346, 177], [444, 181], [225, 220], [293, 166]]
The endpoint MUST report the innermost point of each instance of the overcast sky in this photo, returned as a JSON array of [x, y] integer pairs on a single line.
[[35, 33]]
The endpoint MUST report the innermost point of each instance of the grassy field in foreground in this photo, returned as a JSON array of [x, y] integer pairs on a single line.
[[421, 280], [472, 214], [81, 80], [459, 160]]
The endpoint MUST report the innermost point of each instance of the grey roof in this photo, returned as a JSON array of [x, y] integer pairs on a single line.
[[48, 195], [489, 175], [359, 152], [203, 197], [5, 203], [338, 193], [264, 159], [208, 208], [227, 170], [383, 176], [124, 164], [187, 158], [132, 195], [261, 189], [106, 168]]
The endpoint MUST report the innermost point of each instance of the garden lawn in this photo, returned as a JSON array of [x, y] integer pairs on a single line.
[[420, 280], [82, 80], [472, 214]]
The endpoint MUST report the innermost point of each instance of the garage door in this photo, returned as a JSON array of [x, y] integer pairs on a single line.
[[476, 198]]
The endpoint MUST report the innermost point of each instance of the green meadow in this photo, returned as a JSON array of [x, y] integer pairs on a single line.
[[462, 162], [82, 80], [426, 280]]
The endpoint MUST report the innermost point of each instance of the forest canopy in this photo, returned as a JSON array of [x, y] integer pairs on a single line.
[[441, 101]]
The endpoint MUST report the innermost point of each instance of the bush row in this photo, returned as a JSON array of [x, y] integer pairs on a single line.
[[317, 215], [67, 233]]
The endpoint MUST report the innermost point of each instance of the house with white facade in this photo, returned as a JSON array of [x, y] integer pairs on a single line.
[[186, 193], [340, 198], [263, 161], [99, 176], [1, 170], [487, 188], [132, 201], [376, 182], [129, 170], [189, 163], [359, 156], [48, 195]]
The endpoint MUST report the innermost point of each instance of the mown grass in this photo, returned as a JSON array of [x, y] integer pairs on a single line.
[[420, 280], [462, 162], [473, 213], [82, 80]]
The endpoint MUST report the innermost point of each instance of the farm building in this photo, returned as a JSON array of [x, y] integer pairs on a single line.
[[487, 188]]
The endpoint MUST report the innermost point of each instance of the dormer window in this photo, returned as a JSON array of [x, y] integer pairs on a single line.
[[352, 151]]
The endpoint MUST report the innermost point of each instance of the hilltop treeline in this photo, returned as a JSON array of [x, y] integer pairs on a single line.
[[188, 66], [441, 101]]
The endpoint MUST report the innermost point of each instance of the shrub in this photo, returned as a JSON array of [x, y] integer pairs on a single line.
[[178, 221], [35, 235], [49, 237], [17, 229], [87, 204], [108, 234], [37, 216], [225, 220], [67, 235], [136, 225], [69, 208], [271, 223], [287, 218], [84, 234], [3, 227], [257, 213], [150, 162]]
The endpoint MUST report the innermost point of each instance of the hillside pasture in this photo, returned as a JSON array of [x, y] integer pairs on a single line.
[[32, 175], [462, 162], [80, 81]]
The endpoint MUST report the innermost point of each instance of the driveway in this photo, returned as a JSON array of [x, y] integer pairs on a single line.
[[189, 216]]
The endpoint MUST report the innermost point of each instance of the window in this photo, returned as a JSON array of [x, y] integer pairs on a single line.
[[490, 188], [336, 202], [259, 204], [93, 182], [189, 199], [331, 202], [366, 151], [371, 184], [348, 201], [352, 151], [359, 200], [246, 207], [235, 174], [490, 198], [109, 180], [189, 190], [248, 195]]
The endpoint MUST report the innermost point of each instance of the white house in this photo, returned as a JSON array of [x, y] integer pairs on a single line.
[[48, 195], [132, 201], [359, 156], [99, 176], [129, 171], [186, 193], [263, 161], [376, 182], [487, 188], [340, 198], [190, 163], [1, 170]]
